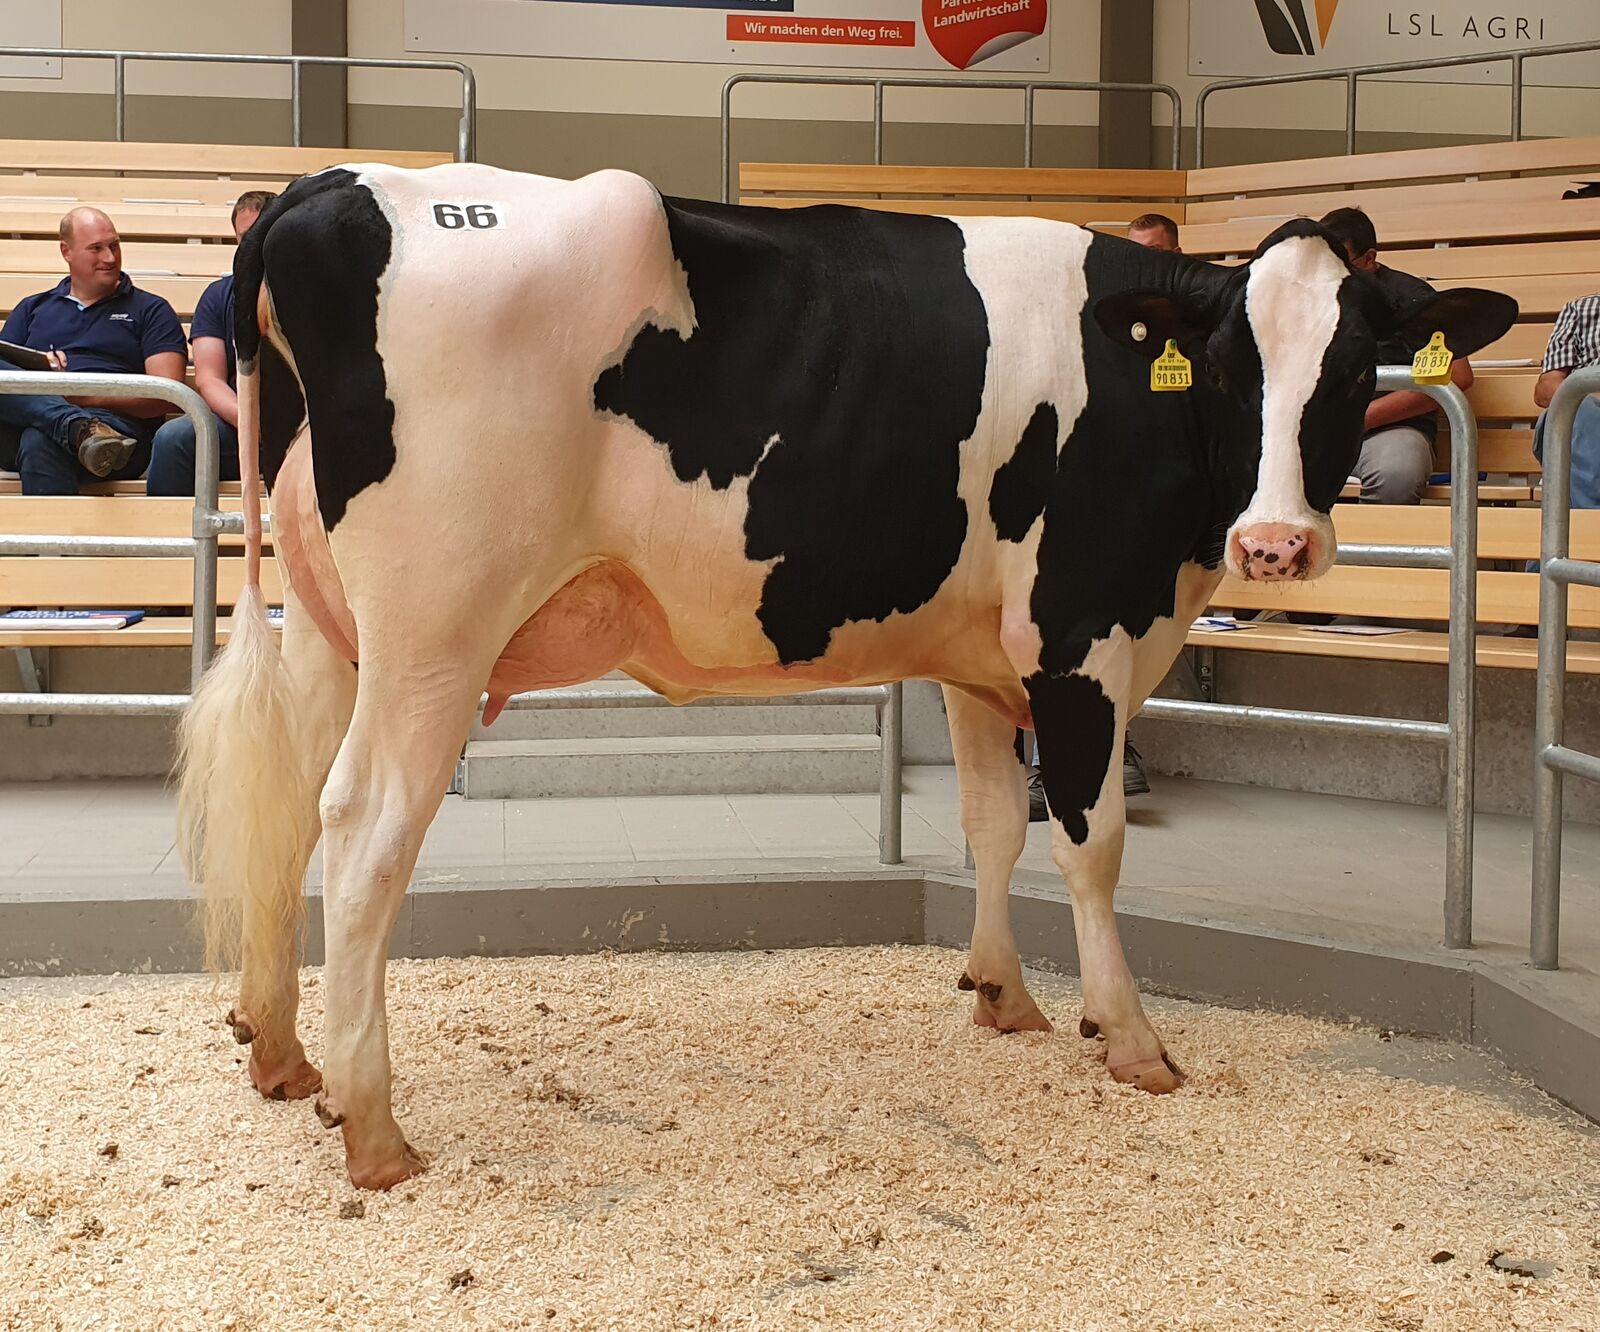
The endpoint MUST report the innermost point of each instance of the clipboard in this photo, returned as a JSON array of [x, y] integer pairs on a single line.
[[24, 358]]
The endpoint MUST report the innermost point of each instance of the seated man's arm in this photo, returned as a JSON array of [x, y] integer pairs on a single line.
[[1395, 408], [163, 365], [211, 379], [1548, 383]]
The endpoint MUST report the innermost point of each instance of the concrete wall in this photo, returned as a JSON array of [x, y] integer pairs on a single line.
[[94, 746], [1405, 771]]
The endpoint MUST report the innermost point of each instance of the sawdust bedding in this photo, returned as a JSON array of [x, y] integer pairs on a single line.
[[816, 1139]]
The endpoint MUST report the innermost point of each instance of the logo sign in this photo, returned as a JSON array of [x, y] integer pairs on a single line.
[[1288, 27], [968, 32], [1245, 38]]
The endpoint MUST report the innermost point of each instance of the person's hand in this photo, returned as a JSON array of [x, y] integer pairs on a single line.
[[58, 359]]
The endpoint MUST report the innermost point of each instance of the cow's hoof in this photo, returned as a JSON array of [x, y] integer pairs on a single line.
[[388, 1171], [1007, 1009], [244, 1030], [285, 1080], [1158, 1076]]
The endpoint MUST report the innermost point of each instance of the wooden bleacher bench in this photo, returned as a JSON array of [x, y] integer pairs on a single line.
[[1509, 597], [162, 587], [1065, 195]]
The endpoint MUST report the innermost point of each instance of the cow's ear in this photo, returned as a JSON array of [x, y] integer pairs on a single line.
[[1469, 317], [1143, 321]]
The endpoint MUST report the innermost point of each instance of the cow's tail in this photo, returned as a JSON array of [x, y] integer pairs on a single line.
[[241, 777]]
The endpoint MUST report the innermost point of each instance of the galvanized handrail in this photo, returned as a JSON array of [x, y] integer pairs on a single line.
[[1552, 760], [1027, 87], [466, 129], [1458, 733], [1350, 75], [208, 521]]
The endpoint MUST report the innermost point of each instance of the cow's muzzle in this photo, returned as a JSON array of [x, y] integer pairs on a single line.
[[1274, 552]]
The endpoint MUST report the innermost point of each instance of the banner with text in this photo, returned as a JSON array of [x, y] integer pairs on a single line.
[[996, 36], [1247, 38]]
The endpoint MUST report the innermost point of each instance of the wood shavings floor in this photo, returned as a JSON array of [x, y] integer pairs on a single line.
[[815, 1139]]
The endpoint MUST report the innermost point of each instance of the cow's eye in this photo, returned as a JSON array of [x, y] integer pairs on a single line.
[[1219, 381]]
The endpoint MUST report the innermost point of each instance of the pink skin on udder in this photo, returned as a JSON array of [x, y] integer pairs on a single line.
[[602, 619]]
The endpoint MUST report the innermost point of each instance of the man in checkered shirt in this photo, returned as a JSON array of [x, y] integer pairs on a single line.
[[1574, 344]]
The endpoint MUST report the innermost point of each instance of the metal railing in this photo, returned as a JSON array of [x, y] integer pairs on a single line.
[[1457, 734], [1027, 87], [1552, 760], [466, 130], [208, 524], [1351, 74]]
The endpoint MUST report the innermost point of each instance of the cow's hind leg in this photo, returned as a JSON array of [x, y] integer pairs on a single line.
[[414, 703], [1080, 719], [994, 816], [322, 686]]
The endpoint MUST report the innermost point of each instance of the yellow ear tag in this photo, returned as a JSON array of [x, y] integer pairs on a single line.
[[1171, 372], [1432, 363]]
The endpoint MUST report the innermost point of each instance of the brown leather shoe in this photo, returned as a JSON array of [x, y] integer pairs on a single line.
[[102, 449]]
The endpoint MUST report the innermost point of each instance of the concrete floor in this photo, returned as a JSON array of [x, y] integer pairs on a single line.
[[1352, 871]]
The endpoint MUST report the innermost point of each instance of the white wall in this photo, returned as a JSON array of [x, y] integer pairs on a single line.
[[642, 88], [233, 26], [1416, 108]]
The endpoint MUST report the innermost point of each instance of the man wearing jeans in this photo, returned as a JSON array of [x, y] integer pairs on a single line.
[[94, 320], [1574, 345], [215, 377]]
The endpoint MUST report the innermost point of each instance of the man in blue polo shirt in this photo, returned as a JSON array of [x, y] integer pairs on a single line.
[[216, 374], [95, 319]]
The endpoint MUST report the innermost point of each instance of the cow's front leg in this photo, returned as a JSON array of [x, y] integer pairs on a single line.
[[411, 717], [1080, 719], [994, 816]]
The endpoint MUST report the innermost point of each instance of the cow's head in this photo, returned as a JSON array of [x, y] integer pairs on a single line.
[[1283, 350]]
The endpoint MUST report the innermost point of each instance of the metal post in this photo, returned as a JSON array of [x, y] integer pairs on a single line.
[[1460, 760], [727, 139], [206, 467], [891, 774], [119, 95], [1350, 114], [1027, 126], [877, 122], [467, 131], [1550, 691], [294, 102], [1516, 97]]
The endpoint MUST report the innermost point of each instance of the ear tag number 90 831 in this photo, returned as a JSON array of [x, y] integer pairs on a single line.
[[1171, 372], [1432, 363]]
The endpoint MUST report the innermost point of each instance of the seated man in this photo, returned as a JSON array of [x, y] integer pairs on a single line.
[[1397, 451], [1574, 345], [94, 320], [216, 375], [1155, 231]]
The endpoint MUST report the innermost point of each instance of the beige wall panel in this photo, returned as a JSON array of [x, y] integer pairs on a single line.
[[253, 26], [642, 88], [1438, 112]]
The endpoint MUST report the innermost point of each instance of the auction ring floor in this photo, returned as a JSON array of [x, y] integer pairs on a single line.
[[795, 1139]]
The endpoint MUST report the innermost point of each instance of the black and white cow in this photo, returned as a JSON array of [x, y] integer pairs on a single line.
[[557, 428]]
